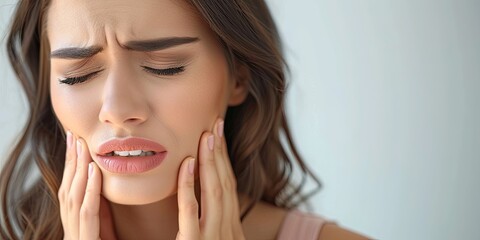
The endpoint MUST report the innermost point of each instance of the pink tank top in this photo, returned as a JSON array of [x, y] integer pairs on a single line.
[[299, 225]]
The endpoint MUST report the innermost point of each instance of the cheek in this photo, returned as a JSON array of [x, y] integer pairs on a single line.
[[191, 110], [191, 105], [73, 109]]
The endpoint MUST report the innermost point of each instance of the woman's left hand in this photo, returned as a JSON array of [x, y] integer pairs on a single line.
[[220, 219]]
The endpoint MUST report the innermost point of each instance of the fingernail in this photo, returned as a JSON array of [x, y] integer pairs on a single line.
[[90, 170], [79, 147], [191, 166], [220, 129], [69, 139], [210, 141]]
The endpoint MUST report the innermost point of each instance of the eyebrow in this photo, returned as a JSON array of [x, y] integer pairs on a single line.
[[141, 46], [75, 53], [158, 44]]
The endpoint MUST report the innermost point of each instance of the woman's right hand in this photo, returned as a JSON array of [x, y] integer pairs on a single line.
[[82, 208]]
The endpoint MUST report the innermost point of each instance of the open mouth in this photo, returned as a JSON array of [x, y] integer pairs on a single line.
[[134, 153]]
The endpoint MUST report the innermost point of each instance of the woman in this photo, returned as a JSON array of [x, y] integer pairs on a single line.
[[154, 119]]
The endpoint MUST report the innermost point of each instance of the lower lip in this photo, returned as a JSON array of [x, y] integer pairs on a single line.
[[126, 165]]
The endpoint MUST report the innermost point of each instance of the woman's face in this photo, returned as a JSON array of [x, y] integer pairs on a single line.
[[116, 49]]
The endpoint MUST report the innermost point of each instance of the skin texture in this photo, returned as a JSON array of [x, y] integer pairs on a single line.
[[124, 100], [83, 216], [183, 112]]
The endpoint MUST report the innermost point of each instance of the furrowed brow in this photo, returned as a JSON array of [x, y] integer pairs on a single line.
[[141, 46], [75, 53], [158, 44]]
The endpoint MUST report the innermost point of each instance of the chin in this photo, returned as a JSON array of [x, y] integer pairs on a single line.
[[128, 200], [135, 190]]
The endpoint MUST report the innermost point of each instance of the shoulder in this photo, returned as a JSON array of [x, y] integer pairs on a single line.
[[331, 231], [317, 225], [263, 221], [266, 221]]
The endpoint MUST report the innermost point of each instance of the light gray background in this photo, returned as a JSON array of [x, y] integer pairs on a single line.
[[384, 105]]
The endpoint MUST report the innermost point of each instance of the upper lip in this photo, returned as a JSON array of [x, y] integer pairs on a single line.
[[129, 144]]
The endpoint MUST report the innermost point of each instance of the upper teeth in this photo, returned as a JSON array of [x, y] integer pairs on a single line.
[[131, 153]]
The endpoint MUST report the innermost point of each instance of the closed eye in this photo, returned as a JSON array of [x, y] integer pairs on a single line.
[[79, 79], [160, 72], [164, 71]]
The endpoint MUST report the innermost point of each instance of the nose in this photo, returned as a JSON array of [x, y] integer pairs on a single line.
[[124, 104]]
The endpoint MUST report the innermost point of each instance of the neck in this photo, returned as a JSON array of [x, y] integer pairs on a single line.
[[157, 220]]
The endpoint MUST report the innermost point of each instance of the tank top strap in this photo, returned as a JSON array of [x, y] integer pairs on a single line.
[[299, 225]]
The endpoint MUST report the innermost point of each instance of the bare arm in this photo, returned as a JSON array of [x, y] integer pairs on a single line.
[[334, 232]]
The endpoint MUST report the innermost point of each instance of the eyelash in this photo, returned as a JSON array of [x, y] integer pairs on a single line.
[[160, 72], [165, 71], [80, 79]]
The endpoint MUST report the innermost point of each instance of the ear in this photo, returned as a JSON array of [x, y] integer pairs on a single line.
[[240, 85]]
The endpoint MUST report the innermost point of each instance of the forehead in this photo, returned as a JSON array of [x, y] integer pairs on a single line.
[[85, 22]]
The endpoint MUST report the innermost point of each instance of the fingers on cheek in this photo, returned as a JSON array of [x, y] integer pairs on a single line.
[[219, 137], [224, 167], [187, 203], [227, 177], [70, 153], [91, 200], [83, 158], [77, 190], [68, 176], [81, 152], [90, 209], [186, 195], [206, 153], [210, 186], [71, 156]]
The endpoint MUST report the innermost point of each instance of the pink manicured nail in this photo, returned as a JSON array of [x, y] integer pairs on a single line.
[[191, 165], [210, 141], [220, 129], [90, 169], [69, 139], [79, 147]]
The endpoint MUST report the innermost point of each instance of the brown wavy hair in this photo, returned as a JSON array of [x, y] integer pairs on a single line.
[[259, 141]]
